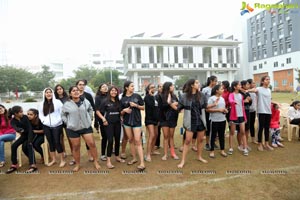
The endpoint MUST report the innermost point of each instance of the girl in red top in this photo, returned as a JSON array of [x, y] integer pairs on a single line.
[[274, 126], [7, 133]]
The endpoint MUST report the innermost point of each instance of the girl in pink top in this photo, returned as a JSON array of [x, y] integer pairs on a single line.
[[237, 117], [7, 133], [275, 126]]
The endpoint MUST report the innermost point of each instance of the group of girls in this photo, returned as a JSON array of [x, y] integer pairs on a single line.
[[205, 113]]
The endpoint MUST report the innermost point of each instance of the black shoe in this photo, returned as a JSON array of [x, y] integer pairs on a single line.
[[11, 170]]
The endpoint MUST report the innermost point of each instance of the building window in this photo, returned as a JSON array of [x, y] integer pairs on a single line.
[[151, 54], [254, 55], [216, 65], [176, 54], [288, 60], [289, 73], [284, 82], [260, 66], [275, 64], [282, 64], [206, 54], [129, 55], [254, 67], [229, 53], [265, 62], [224, 65], [288, 47], [219, 55], [138, 54], [275, 83]]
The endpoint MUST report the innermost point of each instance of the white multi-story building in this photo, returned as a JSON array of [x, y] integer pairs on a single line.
[[149, 59]]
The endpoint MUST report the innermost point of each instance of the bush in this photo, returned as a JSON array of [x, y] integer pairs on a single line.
[[30, 100]]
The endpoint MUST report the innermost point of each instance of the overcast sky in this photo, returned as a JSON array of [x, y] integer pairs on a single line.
[[39, 31]]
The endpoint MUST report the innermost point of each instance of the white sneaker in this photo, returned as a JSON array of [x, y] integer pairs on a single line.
[[249, 148], [240, 148], [230, 151], [246, 152]]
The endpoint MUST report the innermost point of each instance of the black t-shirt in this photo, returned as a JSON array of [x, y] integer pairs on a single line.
[[151, 108], [37, 127], [23, 126], [89, 97], [167, 113], [195, 110], [111, 111], [245, 95], [134, 118]]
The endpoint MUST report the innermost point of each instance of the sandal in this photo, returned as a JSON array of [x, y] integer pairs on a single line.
[[194, 149], [123, 156], [141, 168], [31, 170], [72, 162], [11, 170], [132, 162], [2, 164], [110, 166], [224, 154], [120, 160]]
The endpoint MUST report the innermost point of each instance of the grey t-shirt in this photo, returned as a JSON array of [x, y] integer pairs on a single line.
[[253, 106], [217, 116], [207, 91], [264, 100], [239, 108]]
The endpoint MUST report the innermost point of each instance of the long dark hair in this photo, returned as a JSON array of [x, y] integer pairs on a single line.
[[215, 89], [210, 79], [188, 89], [12, 111], [5, 114], [243, 83], [148, 88], [108, 94], [98, 93], [166, 90], [48, 106], [36, 113], [263, 79], [126, 84], [70, 90], [65, 95], [226, 85], [234, 84], [294, 103]]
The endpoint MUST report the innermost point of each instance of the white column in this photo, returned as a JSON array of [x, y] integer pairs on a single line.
[[161, 76], [214, 55], [155, 52], [165, 55], [133, 55], [224, 56], [172, 55], [145, 54], [234, 55], [180, 55], [135, 81]]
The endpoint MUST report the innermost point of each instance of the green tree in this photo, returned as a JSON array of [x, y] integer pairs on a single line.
[[12, 78], [105, 77], [67, 83], [85, 72], [181, 81]]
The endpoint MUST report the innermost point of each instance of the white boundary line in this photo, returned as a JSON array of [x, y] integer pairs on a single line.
[[140, 189]]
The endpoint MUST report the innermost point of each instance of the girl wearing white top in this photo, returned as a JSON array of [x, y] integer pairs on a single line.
[[294, 113]]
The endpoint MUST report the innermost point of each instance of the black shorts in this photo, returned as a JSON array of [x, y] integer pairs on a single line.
[[238, 121], [170, 124], [151, 122], [295, 121], [77, 134], [197, 128]]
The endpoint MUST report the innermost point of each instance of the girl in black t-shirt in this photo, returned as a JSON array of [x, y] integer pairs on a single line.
[[109, 114], [151, 120], [167, 103], [132, 104], [37, 129]]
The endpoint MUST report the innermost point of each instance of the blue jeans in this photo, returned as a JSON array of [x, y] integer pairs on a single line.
[[5, 138]]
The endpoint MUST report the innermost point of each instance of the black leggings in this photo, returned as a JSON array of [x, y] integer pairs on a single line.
[[207, 133], [252, 123], [37, 142], [113, 131], [218, 128], [264, 124], [26, 147], [104, 139], [53, 135]]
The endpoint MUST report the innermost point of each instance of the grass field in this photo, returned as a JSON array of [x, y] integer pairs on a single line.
[[261, 175]]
